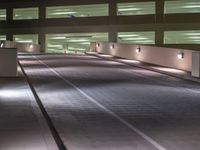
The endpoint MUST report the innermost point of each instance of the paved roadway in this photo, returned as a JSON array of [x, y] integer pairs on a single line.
[[104, 105], [22, 126]]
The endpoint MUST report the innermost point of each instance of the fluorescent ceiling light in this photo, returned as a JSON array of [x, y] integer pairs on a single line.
[[75, 48], [128, 35], [59, 46], [129, 9], [78, 40], [24, 41], [192, 6], [136, 38], [63, 13], [192, 34], [58, 38], [194, 37]]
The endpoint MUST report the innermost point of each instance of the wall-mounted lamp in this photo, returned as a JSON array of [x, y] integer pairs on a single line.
[[138, 50], [180, 55], [112, 46], [31, 46], [97, 45]]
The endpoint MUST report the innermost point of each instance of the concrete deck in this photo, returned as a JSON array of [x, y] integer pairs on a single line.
[[22, 125], [107, 105]]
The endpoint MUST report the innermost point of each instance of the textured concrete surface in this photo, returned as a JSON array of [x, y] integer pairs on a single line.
[[161, 69], [22, 126], [104, 105]]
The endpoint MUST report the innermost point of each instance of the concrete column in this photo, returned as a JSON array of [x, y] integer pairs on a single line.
[[112, 35], [159, 34], [196, 64], [159, 38], [42, 42], [112, 8], [9, 14], [9, 37], [42, 11], [160, 7]]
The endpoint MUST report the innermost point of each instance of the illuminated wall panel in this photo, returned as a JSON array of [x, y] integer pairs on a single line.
[[182, 6], [2, 14], [77, 11], [137, 8], [2, 37], [136, 37], [71, 42], [182, 37], [25, 13], [29, 38]]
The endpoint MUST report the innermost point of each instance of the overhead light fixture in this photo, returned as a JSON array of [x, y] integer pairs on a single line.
[[138, 50], [97, 45], [112, 46], [180, 55]]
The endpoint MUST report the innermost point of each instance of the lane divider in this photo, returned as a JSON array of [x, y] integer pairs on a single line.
[[123, 121], [48, 120]]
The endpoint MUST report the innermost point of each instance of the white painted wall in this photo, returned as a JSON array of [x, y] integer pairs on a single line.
[[23, 47], [149, 54], [8, 62], [26, 47]]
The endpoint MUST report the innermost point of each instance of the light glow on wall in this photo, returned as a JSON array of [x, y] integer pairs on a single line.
[[138, 50], [180, 55], [112, 46]]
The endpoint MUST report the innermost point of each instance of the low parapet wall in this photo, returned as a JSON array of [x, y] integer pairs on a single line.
[[22, 47], [167, 57], [8, 62]]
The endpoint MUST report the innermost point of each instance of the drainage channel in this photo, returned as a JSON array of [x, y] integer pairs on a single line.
[[48, 120]]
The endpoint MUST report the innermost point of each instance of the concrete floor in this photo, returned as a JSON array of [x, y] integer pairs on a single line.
[[106, 105], [22, 125]]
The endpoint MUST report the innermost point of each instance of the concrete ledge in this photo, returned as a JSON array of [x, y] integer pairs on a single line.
[[184, 75], [8, 62]]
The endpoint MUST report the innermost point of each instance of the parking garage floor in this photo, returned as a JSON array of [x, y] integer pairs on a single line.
[[107, 105]]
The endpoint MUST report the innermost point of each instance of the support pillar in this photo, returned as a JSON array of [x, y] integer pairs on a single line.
[[42, 42]]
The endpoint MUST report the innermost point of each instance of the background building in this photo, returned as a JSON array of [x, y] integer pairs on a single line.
[[71, 25]]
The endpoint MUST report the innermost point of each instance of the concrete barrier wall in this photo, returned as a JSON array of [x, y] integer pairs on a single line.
[[26, 47], [8, 62], [22, 47], [149, 54]]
